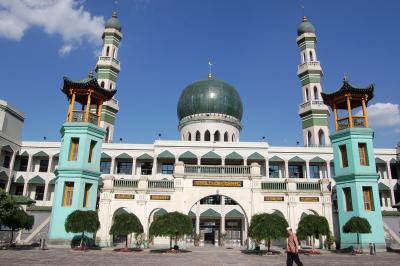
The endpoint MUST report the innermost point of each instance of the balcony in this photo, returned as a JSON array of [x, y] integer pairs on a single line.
[[278, 186], [232, 170], [107, 60], [295, 186], [314, 104], [124, 183], [313, 65], [79, 116], [343, 123], [163, 184], [308, 186]]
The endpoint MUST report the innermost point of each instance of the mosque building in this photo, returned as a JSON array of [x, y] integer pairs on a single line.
[[209, 174]]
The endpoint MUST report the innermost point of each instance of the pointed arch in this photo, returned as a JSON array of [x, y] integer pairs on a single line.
[[107, 135], [307, 95], [198, 137], [217, 136], [102, 84], [226, 137], [311, 56], [321, 137], [233, 138], [316, 94], [189, 137], [304, 58], [309, 138], [207, 136], [108, 51]]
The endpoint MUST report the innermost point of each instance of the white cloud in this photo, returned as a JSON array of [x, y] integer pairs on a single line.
[[383, 115], [66, 18]]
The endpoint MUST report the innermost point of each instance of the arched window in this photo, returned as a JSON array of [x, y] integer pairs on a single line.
[[316, 94], [233, 137], [102, 84], [321, 137], [226, 138], [311, 56], [108, 51], [216, 136], [309, 140], [207, 136], [304, 57], [113, 55], [107, 136], [189, 137], [307, 97], [110, 86], [197, 136]]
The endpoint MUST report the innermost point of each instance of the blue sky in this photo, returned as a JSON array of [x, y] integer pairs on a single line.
[[167, 44]]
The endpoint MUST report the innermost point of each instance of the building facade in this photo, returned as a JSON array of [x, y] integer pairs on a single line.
[[208, 173]]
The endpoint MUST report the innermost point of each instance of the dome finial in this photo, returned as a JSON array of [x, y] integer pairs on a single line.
[[209, 70], [305, 19], [345, 78], [114, 14]]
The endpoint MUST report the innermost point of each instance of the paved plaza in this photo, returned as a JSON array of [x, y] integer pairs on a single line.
[[198, 256]]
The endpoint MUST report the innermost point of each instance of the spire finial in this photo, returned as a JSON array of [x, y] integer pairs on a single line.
[[114, 14], [345, 78], [90, 75], [302, 12], [209, 70]]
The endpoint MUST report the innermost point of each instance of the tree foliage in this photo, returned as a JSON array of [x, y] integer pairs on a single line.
[[125, 224], [312, 226], [81, 222], [18, 220], [357, 225], [267, 227], [7, 205], [173, 225]]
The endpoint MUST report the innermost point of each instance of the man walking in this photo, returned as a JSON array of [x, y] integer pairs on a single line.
[[292, 249]]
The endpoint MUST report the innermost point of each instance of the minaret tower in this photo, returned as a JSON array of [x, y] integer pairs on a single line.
[[355, 169], [107, 70], [313, 112], [78, 171]]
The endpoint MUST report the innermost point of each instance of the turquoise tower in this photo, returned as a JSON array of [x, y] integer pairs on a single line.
[[78, 172], [355, 170]]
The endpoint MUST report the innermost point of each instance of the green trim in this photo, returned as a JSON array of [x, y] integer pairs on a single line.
[[107, 118], [210, 213], [192, 214], [379, 160], [393, 161], [211, 155], [314, 122], [159, 213], [234, 156], [390, 213], [53, 181], [317, 159], [24, 154], [234, 214], [187, 155], [20, 180], [105, 156], [307, 39], [297, 159], [37, 180], [310, 79], [383, 187], [41, 154], [123, 156], [166, 155], [310, 72], [276, 159], [145, 156], [256, 157]]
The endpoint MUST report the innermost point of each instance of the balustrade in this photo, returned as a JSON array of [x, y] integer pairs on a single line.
[[218, 170]]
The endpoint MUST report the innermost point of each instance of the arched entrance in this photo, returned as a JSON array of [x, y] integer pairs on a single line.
[[219, 220]]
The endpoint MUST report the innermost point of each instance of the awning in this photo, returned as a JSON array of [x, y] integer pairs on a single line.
[[20, 180], [211, 155], [379, 160], [383, 187], [296, 159], [144, 157], [3, 176], [106, 156], [187, 155], [124, 156], [53, 181], [166, 155], [276, 159], [256, 157], [7, 148], [41, 154], [317, 160], [210, 213], [234, 156], [37, 180], [24, 154], [234, 214]]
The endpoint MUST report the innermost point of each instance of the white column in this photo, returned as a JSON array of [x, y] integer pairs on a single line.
[[245, 161], [266, 167], [222, 225], [389, 172], [198, 161], [30, 158], [10, 171], [24, 193], [46, 189], [328, 169], [134, 166], [112, 167], [49, 167], [307, 169], [222, 160], [286, 169], [154, 169], [198, 217]]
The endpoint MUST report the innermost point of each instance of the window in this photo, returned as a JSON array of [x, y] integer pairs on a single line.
[[233, 137], [316, 94], [86, 196], [321, 137], [23, 164], [146, 168], [207, 136], [211, 200], [393, 170], [216, 136], [39, 193], [368, 201], [19, 190], [91, 148], [108, 51], [105, 167], [229, 201], [307, 97], [197, 136], [7, 160], [111, 87], [274, 171], [309, 138], [343, 155], [311, 56], [102, 84], [124, 168], [167, 169], [68, 193], [107, 136], [43, 165], [189, 137], [73, 150], [314, 171], [304, 57], [295, 171], [347, 199], [226, 137], [362, 149], [332, 166]]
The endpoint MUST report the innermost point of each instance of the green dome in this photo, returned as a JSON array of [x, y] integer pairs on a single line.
[[305, 27], [113, 22], [210, 96]]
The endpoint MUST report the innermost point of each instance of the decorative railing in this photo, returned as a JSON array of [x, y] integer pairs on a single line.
[[109, 59], [310, 103], [318, 145], [125, 183], [308, 186], [358, 121], [79, 116], [168, 184], [218, 170], [273, 185], [312, 65]]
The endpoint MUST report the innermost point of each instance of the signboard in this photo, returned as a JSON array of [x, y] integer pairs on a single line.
[[272, 198], [124, 196], [160, 197], [309, 199], [217, 183]]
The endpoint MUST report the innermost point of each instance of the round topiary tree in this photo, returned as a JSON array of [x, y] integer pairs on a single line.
[[267, 227], [173, 225], [312, 226], [125, 224], [81, 222], [18, 220], [357, 225]]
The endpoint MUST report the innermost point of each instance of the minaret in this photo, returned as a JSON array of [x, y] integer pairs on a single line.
[[313, 112], [355, 169], [78, 171], [107, 70]]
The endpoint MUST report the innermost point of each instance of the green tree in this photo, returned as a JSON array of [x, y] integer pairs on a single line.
[[81, 222], [18, 220], [173, 225], [125, 224], [312, 226], [7, 205], [267, 227], [357, 225]]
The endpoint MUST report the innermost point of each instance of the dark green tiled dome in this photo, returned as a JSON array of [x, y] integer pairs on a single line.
[[210, 96], [305, 27], [113, 22]]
